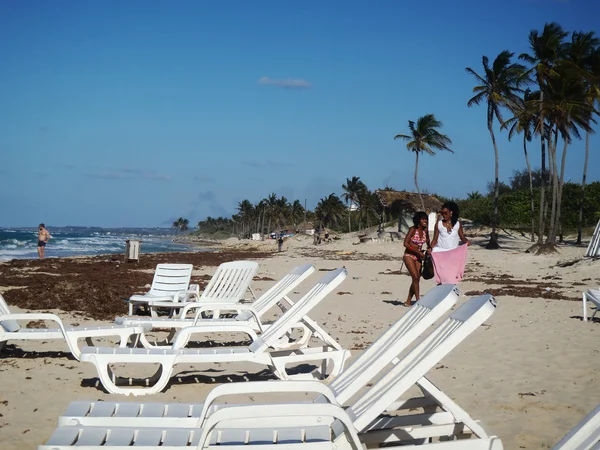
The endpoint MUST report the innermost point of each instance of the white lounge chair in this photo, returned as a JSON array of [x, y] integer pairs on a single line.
[[11, 330], [592, 296], [250, 314], [171, 282], [585, 435], [331, 354], [369, 423], [350, 381], [228, 285]]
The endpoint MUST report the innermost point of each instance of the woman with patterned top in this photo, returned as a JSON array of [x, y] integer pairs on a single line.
[[413, 255]]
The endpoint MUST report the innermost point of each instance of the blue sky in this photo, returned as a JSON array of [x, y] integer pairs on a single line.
[[133, 113]]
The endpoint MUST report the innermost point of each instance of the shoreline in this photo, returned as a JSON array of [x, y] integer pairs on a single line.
[[529, 373]]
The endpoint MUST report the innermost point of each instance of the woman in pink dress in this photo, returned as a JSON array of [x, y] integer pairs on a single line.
[[448, 259], [413, 255]]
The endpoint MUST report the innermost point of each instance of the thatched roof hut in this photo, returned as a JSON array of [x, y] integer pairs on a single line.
[[407, 201]]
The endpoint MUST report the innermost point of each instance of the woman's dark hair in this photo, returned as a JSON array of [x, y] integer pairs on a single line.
[[417, 218], [453, 208]]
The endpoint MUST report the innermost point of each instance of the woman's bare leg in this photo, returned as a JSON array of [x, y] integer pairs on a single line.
[[414, 269]]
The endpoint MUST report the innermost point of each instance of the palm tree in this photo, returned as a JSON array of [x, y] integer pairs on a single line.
[[271, 205], [352, 190], [246, 211], [567, 110], [181, 224], [424, 137], [498, 87], [330, 210], [583, 55], [475, 195], [547, 50], [523, 122], [296, 212]]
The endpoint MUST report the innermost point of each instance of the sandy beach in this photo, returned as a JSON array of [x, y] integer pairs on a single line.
[[529, 374]]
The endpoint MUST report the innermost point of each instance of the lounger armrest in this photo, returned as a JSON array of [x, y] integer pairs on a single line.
[[183, 335], [263, 412], [35, 316], [201, 307], [154, 298], [260, 387]]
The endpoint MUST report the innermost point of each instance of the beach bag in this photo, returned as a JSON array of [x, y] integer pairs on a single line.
[[427, 267]]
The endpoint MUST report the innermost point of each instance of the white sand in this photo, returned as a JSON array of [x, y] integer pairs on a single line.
[[530, 375]]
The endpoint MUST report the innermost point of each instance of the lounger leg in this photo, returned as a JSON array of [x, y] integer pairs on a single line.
[[156, 382], [585, 317]]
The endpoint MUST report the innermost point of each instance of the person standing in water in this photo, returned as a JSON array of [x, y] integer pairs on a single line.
[[43, 238]]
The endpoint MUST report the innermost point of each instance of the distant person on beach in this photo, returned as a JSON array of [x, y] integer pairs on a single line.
[[43, 238], [280, 242], [449, 258], [413, 255]]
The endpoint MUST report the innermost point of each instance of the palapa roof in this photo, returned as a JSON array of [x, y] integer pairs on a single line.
[[408, 200]]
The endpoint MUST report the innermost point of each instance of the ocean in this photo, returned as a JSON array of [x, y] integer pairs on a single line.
[[21, 243]]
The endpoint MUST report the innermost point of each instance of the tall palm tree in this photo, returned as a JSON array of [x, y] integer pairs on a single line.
[[352, 190], [523, 121], [245, 210], [296, 212], [547, 49], [567, 111], [583, 55], [271, 205], [499, 87], [424, 137]]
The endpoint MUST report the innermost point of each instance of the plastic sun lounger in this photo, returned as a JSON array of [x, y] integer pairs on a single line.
[[592, 296], [585, 435], [322, 424], [170, 283], [330, 354], [11, 330], [363, 370], [249, 314], [228, 285]]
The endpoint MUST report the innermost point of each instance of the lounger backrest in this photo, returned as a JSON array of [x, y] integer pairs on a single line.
[[171, 278], [585, 435], [423, 358], [8, 325], [394, 341], [230, 281], [293, 315], [279, 290], [594, 296]]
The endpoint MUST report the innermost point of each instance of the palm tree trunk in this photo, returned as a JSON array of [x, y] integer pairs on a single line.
[[416, 182], [585, 164], [532, 208], [552, 230], [493, 243], [542, 224], [349, 208], [561, 182]]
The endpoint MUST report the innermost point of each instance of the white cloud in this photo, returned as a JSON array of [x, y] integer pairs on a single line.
[[290, 83]]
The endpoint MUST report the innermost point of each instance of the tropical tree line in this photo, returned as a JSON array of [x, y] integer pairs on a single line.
[[552, 97], [358, 207]]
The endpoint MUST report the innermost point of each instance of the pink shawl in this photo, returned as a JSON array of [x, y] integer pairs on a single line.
[[450, 265]]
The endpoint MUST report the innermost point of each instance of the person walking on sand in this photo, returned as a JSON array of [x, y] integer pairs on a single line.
[[413, 255], [280, 242], [43, 238]]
